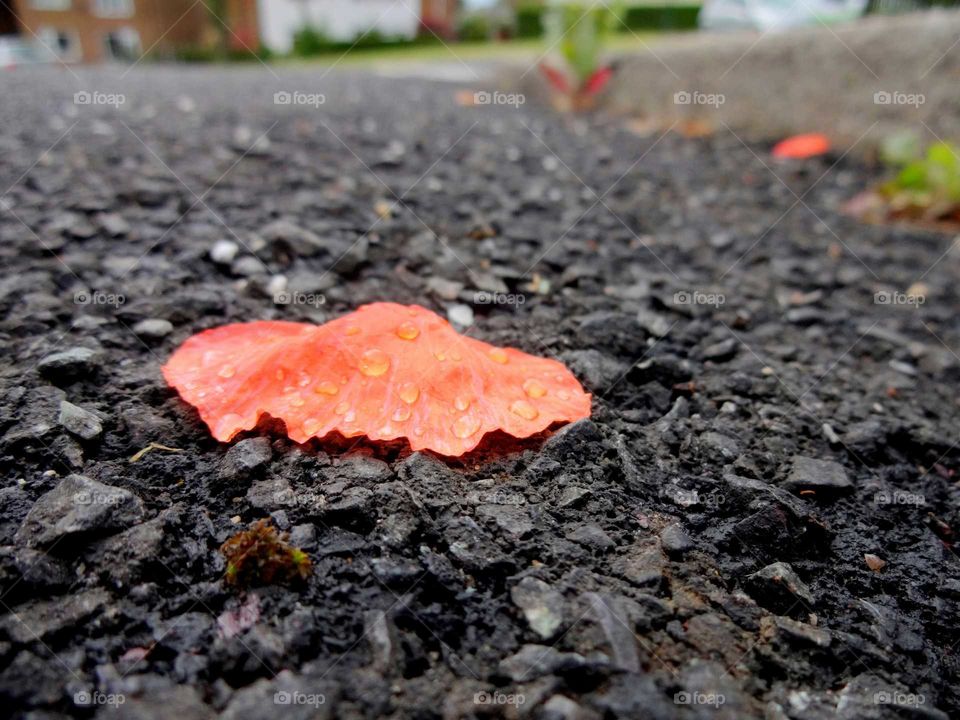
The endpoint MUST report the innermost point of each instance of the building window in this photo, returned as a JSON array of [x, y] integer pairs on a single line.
[[123, 44], [50, 4], [64, 44], [113, 8]]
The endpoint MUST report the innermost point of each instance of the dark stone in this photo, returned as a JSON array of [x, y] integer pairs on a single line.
[[70, 364], [778, 588], [812, 474], [78, 508]]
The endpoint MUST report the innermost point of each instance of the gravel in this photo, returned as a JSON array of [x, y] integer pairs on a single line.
[[701, 533]]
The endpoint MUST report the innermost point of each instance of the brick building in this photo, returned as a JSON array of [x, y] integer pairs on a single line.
[[98, 30]]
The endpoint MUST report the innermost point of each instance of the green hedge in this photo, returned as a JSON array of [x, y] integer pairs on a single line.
[[661, 17], [529, 21], [636, 17]]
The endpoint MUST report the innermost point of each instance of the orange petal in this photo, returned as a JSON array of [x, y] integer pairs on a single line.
[[802, 146], [386, 371]]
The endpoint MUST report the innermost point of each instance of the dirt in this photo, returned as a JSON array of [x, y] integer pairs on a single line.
[[774, 400]]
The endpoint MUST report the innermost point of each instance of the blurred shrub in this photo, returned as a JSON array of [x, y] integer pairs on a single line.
[[310, 40], [660, 17], [474, 27], [530, 21], [209, 54]]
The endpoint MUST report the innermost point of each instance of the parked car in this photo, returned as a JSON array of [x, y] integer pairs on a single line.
[[16, 51]]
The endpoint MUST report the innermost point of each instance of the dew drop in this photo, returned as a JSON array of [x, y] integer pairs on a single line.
[[498, 355], [465, 426], [310, 426], [327, 388], [202, 394], [342, 408], [456, 356], [229, 423], [227, 371], [374, 363], [304, 380], [534, 389], [563, 394], [280, 375], [352, 330], [461, 403], [418, 431], [440, 356], [297, 401], [524, 409], [409, 393], [402, 413], [408, 331], [350, 417]]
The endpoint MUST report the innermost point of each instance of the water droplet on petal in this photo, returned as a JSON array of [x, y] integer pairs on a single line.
[[280, 374], [352, 330], [409, 393], [440, 356], [407, 331], [465, 426], [304, 380], [524, 409], [350, 417], [418, 431], [296, 401], [327, 388], [498, 355], [461, 403], [374, 363], [534, 389], [227, 371], [341, 408], [456, 356], [402, 413], [229, 423], [310, 426], [563, 394]]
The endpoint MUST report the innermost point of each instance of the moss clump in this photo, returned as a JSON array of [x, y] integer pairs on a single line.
[[261, 556]]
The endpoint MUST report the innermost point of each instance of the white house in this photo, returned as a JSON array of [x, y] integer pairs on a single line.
[[338, 19]]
